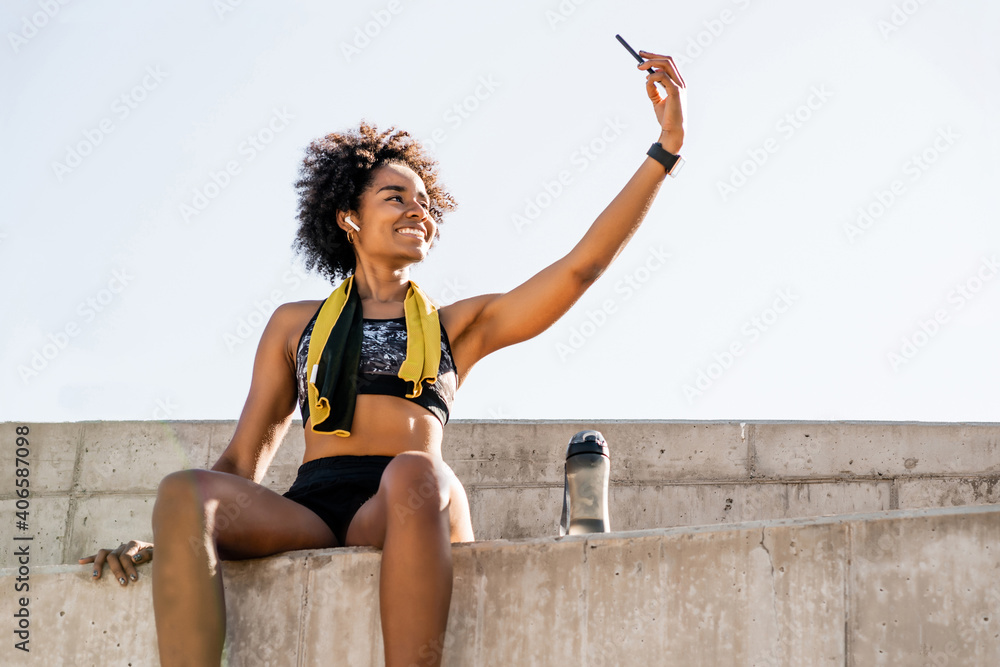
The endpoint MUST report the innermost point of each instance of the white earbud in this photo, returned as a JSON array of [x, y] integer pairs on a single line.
[[348, 221]]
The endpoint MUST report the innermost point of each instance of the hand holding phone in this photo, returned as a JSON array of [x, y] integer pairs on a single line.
[[666, 89]]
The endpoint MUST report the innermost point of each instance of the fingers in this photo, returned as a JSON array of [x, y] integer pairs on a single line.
[[115, 565], [663, 63], [649, 54], [136, 555], [144, 555], [127, 562], [98, 561], [654, 93], [121, 561], [669, 69]]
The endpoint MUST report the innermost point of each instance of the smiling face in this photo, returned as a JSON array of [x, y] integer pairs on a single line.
[[394, 217]]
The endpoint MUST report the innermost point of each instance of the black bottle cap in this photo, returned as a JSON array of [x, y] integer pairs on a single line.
[[587, 442]]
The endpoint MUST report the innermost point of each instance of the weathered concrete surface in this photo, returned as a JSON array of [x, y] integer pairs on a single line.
[[935, 580], [645, 506], [870, 449], [93, 483], [910, 587], [948, 492], [499, 452]]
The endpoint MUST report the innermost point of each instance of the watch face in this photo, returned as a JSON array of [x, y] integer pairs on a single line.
[[677, 166]]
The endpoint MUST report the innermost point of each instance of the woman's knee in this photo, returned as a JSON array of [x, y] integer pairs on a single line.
[[416, 483], [182, 484], [179, 493]]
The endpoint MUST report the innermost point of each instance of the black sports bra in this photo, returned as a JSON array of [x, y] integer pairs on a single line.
[[383, 350]]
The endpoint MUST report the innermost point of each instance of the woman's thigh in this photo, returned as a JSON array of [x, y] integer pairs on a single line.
[[248, 520], [412, 482]]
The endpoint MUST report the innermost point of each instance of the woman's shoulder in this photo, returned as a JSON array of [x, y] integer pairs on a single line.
[[291, 319], [296, 314], [309, 305]]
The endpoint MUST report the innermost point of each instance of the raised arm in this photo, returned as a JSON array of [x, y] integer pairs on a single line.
[[531, 308], [270, 404]]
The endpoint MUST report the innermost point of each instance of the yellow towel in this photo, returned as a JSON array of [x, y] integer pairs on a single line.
[[335, 354]]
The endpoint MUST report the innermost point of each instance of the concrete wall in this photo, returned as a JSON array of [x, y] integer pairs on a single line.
[[912, 587], [93, 483]]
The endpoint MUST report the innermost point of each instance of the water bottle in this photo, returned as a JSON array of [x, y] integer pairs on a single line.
[[585, 490]]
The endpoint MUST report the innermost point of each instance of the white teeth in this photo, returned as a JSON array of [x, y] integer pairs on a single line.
[[411, 232]]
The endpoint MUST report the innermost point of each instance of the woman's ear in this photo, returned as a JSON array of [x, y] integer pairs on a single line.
[[346, 221]]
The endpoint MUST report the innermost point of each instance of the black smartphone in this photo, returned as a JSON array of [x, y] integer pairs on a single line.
[[632, 51]]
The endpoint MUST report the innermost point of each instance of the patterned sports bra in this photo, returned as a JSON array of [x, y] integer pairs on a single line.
[[383, 350]]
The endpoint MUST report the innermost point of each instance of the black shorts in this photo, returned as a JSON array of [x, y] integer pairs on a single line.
[[336, 487]]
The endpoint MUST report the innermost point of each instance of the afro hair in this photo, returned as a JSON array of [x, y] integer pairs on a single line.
[[335, 173]]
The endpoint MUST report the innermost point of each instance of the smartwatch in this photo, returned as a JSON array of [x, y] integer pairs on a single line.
[[672, 163]]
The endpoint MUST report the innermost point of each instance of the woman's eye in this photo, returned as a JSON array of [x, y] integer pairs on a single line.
[[426, 205]]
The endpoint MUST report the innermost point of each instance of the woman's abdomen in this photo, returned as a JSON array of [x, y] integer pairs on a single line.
[[383, 426]]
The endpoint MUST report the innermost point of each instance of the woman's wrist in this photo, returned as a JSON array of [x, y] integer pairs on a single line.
[[671, 141]]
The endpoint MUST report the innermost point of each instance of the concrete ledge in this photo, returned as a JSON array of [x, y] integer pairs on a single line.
[[664, 473], [908, 587]]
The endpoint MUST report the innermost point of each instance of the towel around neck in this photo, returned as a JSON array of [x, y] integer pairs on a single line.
[[335, 354]]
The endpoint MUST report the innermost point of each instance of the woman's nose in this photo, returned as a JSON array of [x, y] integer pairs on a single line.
[[418, 209]]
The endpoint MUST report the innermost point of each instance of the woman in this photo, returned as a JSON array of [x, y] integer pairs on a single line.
[[374, 368]]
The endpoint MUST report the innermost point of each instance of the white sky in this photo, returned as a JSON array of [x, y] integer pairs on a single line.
[[883, 95]]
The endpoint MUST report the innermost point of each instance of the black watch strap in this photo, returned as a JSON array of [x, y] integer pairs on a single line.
[[672, 163]]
